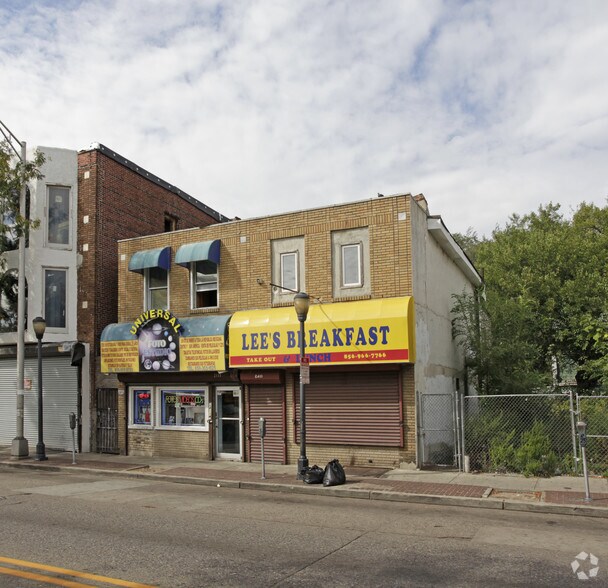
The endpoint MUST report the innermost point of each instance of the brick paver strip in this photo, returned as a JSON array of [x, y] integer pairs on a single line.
[[562, 497], [424, 488]]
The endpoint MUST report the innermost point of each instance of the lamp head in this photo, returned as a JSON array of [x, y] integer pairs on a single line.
[[39, 325], [301, 302], [581, 427]]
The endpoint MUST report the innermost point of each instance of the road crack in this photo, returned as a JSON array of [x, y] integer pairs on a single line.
[[319, 559]]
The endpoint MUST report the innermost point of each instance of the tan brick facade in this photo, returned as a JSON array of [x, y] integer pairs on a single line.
[[246, 256], [244, 283]]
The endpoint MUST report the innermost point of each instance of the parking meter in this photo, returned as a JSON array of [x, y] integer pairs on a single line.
[[72, 418], [262, 424], [581, 427]]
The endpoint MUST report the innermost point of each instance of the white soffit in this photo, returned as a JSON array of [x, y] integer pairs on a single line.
[[452, 249]]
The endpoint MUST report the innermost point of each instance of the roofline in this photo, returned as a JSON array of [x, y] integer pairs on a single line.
[[156, 180], [287, 213], [452, 249], [326, 206]]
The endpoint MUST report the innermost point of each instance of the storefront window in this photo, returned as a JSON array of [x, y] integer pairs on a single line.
[[183, 408], [142, 406]]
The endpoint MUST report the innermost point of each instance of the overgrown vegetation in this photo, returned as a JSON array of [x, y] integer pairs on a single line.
[[13, 175], [544, 306]]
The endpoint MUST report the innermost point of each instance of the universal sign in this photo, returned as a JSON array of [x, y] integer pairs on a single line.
[[158, 334]]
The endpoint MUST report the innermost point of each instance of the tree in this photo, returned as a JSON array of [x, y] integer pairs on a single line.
[[13, 174], [499, 348], [546, 300], [469, 243]]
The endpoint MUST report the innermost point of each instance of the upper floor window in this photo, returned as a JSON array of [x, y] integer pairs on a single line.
[[156, 287], [351, 266], [170, 223], [288, 271], [351, 262], [58, 215], [55, 291], [204, 289]]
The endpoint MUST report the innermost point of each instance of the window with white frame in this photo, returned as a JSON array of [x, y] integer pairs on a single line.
[[351, 269], [289, 271], [351, 266], [183, 407], [58, 215], [156, 288], [141, 407], [55, 290], [204, 284]]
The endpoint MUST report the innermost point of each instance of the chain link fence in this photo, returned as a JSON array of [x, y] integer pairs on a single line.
[[594, 411], [530, 434]]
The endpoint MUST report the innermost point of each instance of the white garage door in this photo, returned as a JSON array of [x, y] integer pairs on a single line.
[[60, 397]]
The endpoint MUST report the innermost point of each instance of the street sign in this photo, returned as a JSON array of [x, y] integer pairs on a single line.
[[305, 369]]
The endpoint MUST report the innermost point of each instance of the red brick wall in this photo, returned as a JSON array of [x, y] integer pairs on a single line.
[[120, 203]]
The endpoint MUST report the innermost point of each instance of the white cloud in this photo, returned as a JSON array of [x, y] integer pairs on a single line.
[[257, 107]]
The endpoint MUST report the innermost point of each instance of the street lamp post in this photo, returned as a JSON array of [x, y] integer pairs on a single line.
[[39, 325], [301, 303]]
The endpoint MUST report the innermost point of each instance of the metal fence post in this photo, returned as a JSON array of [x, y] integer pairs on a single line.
[[457, 445], [573, 428]]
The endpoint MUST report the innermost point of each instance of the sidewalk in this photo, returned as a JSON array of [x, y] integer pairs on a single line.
[[559, 495]]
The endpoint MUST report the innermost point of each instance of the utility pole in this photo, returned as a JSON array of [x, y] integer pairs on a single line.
[[19, 447]]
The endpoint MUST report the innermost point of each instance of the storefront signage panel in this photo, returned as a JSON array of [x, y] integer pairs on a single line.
[[158, 342], [372, 331], [199, 354], [119, 356]]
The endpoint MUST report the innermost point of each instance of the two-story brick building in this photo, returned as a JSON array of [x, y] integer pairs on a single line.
[[85, 201], [208, 338]]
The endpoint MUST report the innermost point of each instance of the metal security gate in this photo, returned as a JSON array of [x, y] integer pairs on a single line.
[[267, 402], [107, 420], [352, 408], [60, 396], [437, 430]]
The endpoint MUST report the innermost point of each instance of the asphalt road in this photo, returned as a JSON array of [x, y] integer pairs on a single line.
[[176, 535]]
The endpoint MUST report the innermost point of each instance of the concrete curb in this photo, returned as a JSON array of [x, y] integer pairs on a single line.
[[334, 491]]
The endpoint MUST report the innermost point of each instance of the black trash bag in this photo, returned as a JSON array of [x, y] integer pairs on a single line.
[[334, 474], [314, 475]]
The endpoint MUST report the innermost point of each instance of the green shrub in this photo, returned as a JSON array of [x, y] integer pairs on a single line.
[[535, 456], [503, 453], [480, 431]]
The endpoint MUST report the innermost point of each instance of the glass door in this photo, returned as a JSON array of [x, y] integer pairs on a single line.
[[228, 423]]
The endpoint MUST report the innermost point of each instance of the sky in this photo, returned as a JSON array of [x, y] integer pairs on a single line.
[[258, 107]]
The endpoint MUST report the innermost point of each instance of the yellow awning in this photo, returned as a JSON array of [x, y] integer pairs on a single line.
[[369, 331]]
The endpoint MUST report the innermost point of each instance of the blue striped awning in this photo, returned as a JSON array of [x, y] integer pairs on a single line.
[[202, 251], [142, 260]]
